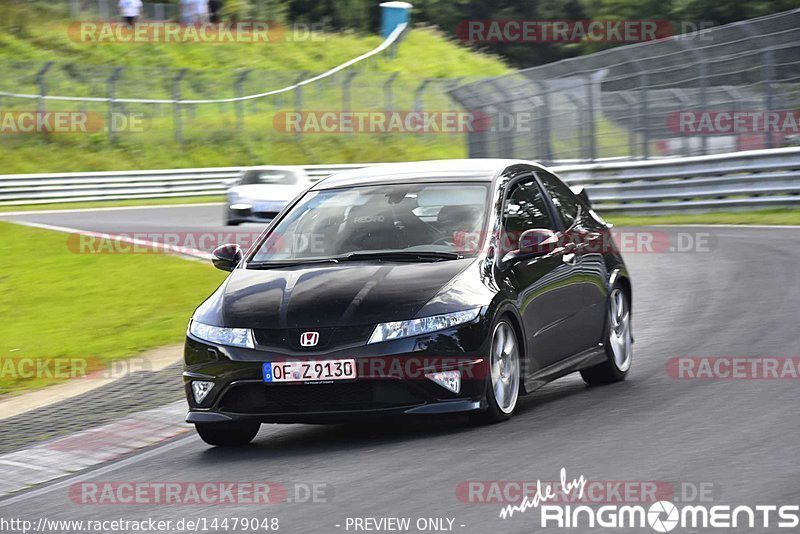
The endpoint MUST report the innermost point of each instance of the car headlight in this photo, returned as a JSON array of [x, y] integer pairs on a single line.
[[235, 337], [415, 327], [238, 202]]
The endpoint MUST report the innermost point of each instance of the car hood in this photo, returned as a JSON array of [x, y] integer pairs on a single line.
[[327, 295], [267, 192]]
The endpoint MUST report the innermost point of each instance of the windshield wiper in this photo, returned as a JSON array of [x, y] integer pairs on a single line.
[[402, 255], [293, 263], [397, 255]]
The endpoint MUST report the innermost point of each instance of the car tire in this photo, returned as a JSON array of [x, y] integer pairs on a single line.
[[618, 342], [228, 434], [503, 382]]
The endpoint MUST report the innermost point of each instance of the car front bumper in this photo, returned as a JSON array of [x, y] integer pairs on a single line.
[[391, 381], [258, 212]]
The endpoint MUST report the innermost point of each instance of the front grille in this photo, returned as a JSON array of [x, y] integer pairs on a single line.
[[254, 398], [289, 338]]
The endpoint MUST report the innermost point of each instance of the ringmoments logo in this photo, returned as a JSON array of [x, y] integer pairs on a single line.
[[660, 516]]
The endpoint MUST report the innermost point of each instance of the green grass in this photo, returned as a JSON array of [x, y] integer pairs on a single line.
[[210, 134], [112, 203], [770, 217], [96, 308], [424, 52]]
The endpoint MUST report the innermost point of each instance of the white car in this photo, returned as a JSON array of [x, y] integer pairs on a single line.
[[260, 193]]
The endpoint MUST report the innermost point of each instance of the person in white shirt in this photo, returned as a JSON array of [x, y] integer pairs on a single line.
[[201, 11], [187, 11], [130, 10]]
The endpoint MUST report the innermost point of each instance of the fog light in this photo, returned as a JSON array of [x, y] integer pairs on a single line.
[[201, 389], [447, 379]]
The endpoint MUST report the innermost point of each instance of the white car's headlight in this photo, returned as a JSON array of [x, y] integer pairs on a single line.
[[238, 202], [235, 337], [415, 327]]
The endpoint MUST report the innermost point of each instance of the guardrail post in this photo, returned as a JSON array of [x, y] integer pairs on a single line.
[[641, 122], [768, 59], [769, 90], [112, 95], [590, 107], [418, 104], [703, 99], [542, 131], [176, 98], [348, 79], [239, 91], [736, 97], [684, 101], [298, 96], [40, 82], [644, 109], [505, 140], [700, 60], [632, 131], [581, 128], [388, 96], [103, 9]]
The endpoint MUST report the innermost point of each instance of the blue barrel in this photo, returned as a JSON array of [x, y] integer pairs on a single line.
[[392, 15]]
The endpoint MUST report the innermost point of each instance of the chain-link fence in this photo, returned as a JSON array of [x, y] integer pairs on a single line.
[[356, 90], [730, 88]]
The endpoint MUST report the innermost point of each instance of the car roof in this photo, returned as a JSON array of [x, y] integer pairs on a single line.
[[457, 170]]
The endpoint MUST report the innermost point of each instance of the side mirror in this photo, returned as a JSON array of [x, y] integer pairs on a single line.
[[534, 242], [230, 182], [227, 257], [581, 193], [537, 242]]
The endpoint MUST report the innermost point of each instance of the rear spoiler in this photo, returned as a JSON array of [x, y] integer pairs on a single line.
[[580, 192]]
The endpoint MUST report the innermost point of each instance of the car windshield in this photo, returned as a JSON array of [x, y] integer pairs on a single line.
[[438, 219], [268, 176]]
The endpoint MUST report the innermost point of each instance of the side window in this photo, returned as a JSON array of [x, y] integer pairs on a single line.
[[525, 209], [564, 199]]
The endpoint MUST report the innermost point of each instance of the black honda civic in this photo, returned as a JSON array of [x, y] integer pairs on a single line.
[[409, 289]]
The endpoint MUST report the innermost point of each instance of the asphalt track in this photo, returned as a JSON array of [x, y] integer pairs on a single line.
[[739, 298]]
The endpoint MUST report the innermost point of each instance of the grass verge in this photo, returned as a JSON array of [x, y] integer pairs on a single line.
[[781, 217], [64, 311]]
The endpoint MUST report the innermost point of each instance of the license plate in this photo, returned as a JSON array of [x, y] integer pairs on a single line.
[[309, 371]]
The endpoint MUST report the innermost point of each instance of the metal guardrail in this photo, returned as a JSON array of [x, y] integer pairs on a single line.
[[742, 180]]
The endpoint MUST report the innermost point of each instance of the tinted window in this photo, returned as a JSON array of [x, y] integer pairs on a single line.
[[274, 177], [565, 200], [525, 209], [444, 217]]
